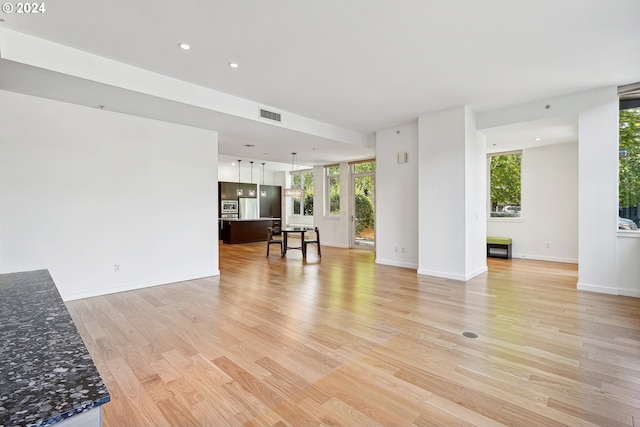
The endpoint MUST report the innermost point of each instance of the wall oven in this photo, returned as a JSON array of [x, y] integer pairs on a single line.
[[229, 207]]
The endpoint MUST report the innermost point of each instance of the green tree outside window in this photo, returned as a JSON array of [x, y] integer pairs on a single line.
[[505, 185], [629, 163]]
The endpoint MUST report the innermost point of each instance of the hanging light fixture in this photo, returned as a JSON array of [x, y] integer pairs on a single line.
[[263, 192], [296, 193], [252, 192], [239, 191]]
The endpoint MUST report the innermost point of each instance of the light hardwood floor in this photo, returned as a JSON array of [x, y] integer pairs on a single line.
[[346, 342]]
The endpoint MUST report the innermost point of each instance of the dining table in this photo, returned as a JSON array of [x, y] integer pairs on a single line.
[[285, 238]]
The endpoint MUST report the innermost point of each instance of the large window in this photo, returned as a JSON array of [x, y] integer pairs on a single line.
[[629, 167], [332, 174], [364, 177], [504, 184], [629, 157], [304, 180]]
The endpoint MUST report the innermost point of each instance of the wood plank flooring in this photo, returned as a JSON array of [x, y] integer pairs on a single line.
[[342, 341]]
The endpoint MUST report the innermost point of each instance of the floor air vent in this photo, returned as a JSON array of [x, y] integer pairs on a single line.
[[270, 115]]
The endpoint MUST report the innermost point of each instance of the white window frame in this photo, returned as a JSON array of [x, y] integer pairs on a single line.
[[519, 218], [629, 99], [302, 174], [327, 185]]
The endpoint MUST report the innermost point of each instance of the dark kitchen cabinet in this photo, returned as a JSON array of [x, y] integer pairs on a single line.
[[245, 231], [227, 190], [271, 202]]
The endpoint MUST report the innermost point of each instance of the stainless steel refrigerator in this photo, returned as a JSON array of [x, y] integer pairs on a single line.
[[247, 208]]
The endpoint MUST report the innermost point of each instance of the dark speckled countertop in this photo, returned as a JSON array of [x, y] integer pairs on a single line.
[[46, 372]]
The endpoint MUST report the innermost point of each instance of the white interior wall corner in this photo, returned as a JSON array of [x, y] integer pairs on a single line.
[[89, 189]]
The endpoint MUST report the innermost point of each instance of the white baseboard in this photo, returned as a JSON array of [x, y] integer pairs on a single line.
[[545, 258], [609, 291], [335, 245], [597, 289], [397, 263], [477, 272], [629, 293], [453, 276], [136, 285]]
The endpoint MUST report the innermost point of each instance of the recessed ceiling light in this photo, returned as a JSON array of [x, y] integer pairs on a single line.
[[538, 139], [184, 46], [233, 64]]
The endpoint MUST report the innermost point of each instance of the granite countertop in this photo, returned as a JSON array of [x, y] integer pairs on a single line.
[[46, 372]]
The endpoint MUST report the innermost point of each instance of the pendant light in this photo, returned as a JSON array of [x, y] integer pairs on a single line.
[[252, 192], [296, 193], [263, 192], [239, 191]]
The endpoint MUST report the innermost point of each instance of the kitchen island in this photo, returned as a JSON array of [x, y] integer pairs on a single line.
[[246, 230], [46, 373]]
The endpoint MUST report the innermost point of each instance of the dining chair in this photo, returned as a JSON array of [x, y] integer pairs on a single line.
[[315, 240], [271, 231]]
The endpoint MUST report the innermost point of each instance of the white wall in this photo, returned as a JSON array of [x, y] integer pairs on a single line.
[[450, 233], [598, 194], [397, 197], [549, 183], [475, 196], [82, 189], [441, 193], [627, 265], [607, 259]]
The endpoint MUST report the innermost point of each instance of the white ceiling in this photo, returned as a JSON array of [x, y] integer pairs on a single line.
[[519, 136], [363, 65]]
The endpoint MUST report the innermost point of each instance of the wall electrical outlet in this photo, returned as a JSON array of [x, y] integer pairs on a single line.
[[116, 268]]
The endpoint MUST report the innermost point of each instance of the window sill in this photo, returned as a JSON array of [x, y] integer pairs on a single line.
[[629, 233], [505, 220], [332, 217]]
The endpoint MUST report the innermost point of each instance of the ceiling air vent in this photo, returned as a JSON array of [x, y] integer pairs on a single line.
[[270, 115]]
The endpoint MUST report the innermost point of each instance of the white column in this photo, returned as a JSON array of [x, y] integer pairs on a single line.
[[598, 195], [452, 186]]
